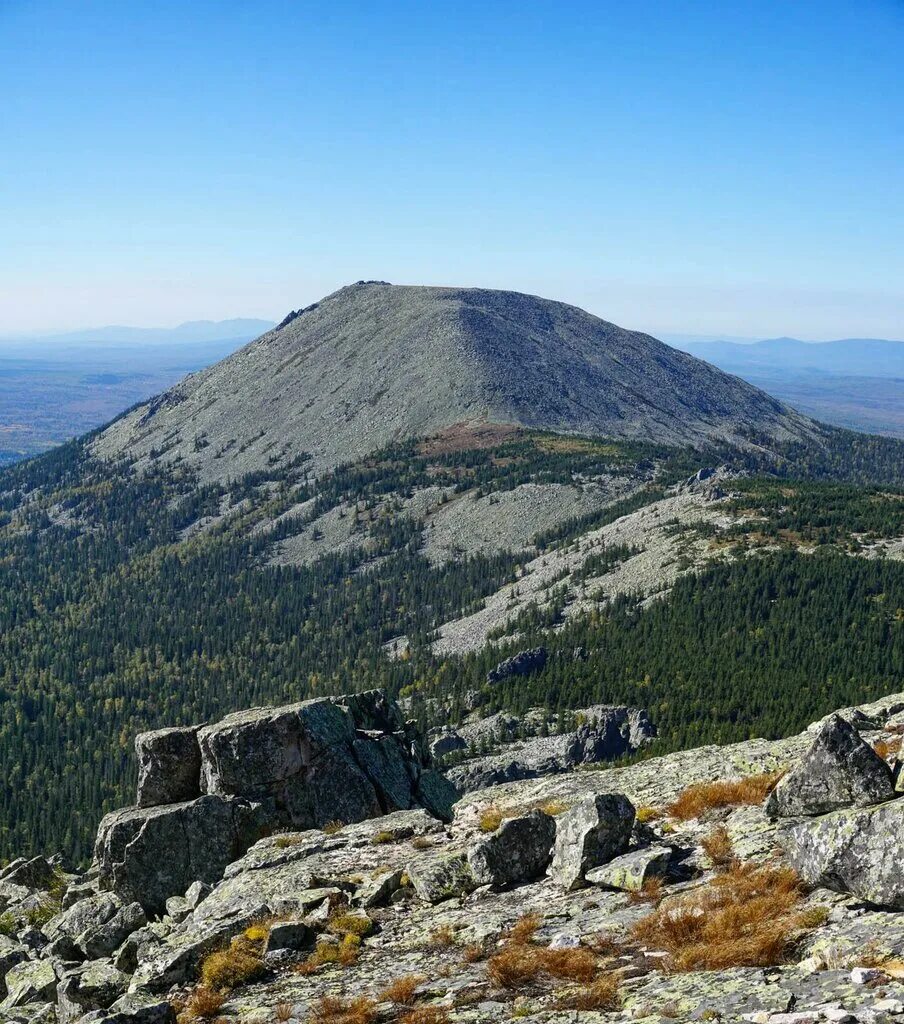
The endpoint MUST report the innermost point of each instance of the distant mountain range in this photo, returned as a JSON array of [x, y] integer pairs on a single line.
[[854, 382]]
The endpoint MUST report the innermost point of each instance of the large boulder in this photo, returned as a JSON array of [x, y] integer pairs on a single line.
[[631, 871], [589, 834], [147, 854], [94, 986], [29, 982], [521, 664], [857, 851], [11, 953], [169, 766], [518, 851], [839, 770]]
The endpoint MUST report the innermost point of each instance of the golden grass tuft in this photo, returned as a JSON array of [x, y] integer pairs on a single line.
[[552, 807], [401, 990], [335, 1010], [332, 827], [202, 1004], [885, 748], [696, 800], [749, 916], [422, 843], [226, 969], [342, 923], [650, 892], [473, 953], [518, 965], [426, 1015], [339, 954], [523, 930], [382, 838], [645, 814], [443, 937], [283, 1012], [601, 994], [717, 846], [490, 819]]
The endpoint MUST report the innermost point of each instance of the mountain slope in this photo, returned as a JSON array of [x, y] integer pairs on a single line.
[[374, 363]]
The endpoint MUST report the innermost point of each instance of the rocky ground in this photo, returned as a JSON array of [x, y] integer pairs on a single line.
[[686, 887]]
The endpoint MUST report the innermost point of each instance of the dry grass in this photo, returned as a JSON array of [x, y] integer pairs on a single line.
[[443, 937], [490, 819], [401, 990], [650, 892], [518, 965], [334, 1010], [225, 969], [523, 930], [602, 994], [202, 1004], [422, 843], [426, 1015], [339, 954], [473, 953], [749, 916], [344, 923], [551, 807], [696, 800], [885, 748], [332, 827], [283, 1012], [717, 846], [381, 838], [645, 814]]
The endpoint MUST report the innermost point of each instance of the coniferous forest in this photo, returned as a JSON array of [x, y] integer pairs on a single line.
[[116, 615]]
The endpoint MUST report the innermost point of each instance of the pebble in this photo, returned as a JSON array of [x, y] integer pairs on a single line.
[[864, 975]]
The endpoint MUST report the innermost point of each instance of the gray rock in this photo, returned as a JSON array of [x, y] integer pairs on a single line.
[[94, 986], [37, 873], [169, 766], [631, 870], [84, 916], [104, 939], [436, 793], [11, 953], [521, 664], [855, 850], [139, 1008], [518, 851], [839, 770], [590, 834], [441, 876], [288, 935], [608, 732], [147, 854], [30, 981]]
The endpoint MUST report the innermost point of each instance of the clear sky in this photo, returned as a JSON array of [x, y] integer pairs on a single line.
[[673, 166]]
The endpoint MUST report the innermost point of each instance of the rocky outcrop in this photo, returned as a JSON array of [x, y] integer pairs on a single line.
[[518, 851], [590, 834], [521, 664], [607, 733], [839, 770], [169, 766], [299, 766]]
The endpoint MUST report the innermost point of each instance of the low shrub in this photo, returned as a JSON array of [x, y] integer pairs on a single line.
[[335, 1010], [228, 968], [202, 1004], [717, 846], [401, 990], [490, 819], [602, 994]]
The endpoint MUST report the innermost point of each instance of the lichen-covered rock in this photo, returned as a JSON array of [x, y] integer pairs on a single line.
[[146, 854], [84, 916], [135, 1008], [11, 953], [839, 770], [631, 871], [440, 876], [169, 766], [94, 986], [36, 873], [855, 850], [436, 793], [104, 939], [518, 851], [520, 664], [29, 982], [589, 834]]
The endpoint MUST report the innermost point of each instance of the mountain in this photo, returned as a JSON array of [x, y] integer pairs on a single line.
[[410, 488], [118, 336], [861, 357], [374, 363], [856, 383]]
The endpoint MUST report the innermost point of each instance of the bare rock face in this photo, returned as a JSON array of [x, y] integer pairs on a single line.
[[300, 766], [169, 766], [518, 851], [839, 770], [590, 834], [856, 851]]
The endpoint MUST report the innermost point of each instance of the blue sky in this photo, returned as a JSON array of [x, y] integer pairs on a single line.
[[677, 167]]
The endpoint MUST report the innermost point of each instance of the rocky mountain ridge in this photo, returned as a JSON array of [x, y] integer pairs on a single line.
[[375, 363], [664, 890]]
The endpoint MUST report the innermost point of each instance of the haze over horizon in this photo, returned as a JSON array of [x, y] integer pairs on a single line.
[[671, 169]]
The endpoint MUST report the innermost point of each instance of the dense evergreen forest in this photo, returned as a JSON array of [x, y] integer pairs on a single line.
[[115, 617]]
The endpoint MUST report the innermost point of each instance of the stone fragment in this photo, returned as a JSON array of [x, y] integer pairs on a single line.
[[30, 981], [632, 870], [436, 793], [288, 935], [589, 834], [440, 876], [104, 939], [839, 770], [518, 851], [169, 766], [854, 851], [37, 873], [84, 916], [138, 1008], [94, 986], [146, 855], [11, 953]]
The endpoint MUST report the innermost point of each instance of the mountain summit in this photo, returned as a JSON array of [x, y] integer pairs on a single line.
[[374, 362]]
